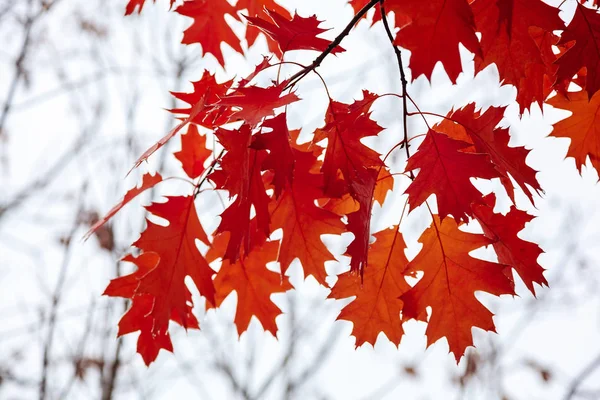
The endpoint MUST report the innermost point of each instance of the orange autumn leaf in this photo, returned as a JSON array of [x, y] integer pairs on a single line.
[[582, 127], [253, 283], [449, 282], [377, 305], [179, 257]]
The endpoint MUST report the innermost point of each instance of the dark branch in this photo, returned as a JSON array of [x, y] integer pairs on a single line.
[[402, 81], [305, 71]]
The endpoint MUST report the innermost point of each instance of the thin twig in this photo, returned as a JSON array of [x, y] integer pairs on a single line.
[[589, 369], [403, 81]]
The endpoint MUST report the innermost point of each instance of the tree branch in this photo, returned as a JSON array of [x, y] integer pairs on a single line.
[[403, 81], [305, 71]]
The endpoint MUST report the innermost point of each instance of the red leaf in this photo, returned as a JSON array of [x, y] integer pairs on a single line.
[[481, 130], [209, 28], [584, 29], [377, 306], [240, 176], [345, 126], [176, 246], [359, 222], [506, 41], [254, 285], [446, 171], [581, 127], [148, 181], [299, 33], [206, 92], [258, 7], [193, 152], [511, 250], [432, 31], [450, 279], [302, 222], [255, 102], [281, 157], [138, 318]]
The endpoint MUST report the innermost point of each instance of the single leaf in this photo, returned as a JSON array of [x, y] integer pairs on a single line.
[[345, 126], [446, 171], [584, 29], [377, 305], [506, 41], [257, 7], [193, 152], [582, 127], [206, 92], [359, 222], [240, 175], [139, 316], [255, 102], [254, 285], [450, 279], [281, 158], [481, 130], [432, 31], [511, 250], [303, 223], [299, 33], [176, 246], [148, 181], [209, 28]]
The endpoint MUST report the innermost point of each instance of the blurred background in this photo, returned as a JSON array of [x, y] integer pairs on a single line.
[[83, 92]]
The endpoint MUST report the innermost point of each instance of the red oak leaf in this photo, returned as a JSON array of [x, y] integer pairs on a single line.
[[209, 28], [432, 31], [193, 152], [359, 221], [582, 127], [148, 181], [299, 33], [240, 175], [176, 246], [446, 170], [206, 92], [506, 41], [303, 223], [584, 29], [345, 126], [481, 130], [377, 306], [511, 250], [255, 102], [257, 7], [253, 283], [450, 279], [281, 157], [138, 317]]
